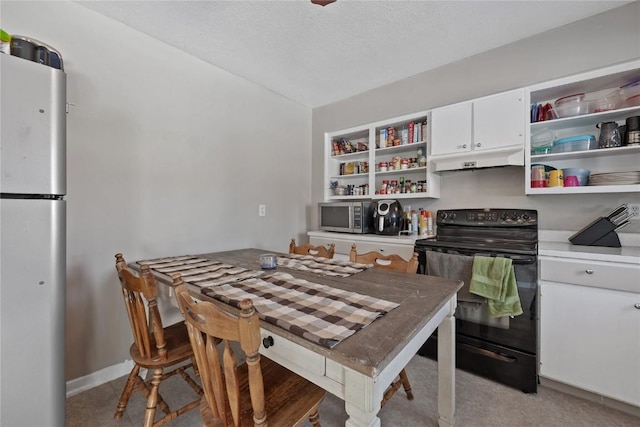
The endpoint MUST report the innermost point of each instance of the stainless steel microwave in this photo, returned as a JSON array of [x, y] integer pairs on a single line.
[[345, 217]]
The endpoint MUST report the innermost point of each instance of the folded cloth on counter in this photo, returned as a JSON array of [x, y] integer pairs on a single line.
[[495, 279], [321, 265], [454, 267], [318, 313], [200, 271]]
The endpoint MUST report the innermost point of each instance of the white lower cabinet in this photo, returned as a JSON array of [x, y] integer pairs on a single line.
[[589, 335]]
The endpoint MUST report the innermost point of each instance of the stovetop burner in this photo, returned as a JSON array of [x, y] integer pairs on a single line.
[[493, 230]]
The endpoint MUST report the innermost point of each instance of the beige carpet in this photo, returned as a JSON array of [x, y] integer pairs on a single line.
[[479, 403]]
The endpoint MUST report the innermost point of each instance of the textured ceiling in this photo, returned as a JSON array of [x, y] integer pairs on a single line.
[[317, 55]]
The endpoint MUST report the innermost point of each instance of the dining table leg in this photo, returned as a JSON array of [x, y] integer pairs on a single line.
[[447, 368], [359, 418], [362, 398]]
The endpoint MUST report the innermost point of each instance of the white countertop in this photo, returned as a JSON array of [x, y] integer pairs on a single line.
[[556, 243], [374, 238], [553, 243]]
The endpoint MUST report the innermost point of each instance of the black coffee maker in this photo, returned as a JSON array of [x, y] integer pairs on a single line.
[[632, 131], [386, 217]]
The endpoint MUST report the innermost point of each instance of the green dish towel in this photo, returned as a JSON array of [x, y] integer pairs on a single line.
[[494, 279]]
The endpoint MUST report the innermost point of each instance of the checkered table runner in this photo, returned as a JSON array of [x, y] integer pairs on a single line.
[[321, 265], [318, 313], [200, 271]]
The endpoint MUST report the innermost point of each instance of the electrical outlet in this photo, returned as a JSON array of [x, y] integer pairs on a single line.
[[262, 210], [634, 210]]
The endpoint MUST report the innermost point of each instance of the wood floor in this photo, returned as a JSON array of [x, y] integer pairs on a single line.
[[479, 403]]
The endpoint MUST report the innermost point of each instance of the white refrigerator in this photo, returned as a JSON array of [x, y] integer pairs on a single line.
[[32, 243]]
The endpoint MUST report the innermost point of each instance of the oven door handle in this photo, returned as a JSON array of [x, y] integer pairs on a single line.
[[488, 353], [522, 260]]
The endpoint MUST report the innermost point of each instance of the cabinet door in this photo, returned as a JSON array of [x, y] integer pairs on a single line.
[[499, 120], [590, 339], [451, 129]]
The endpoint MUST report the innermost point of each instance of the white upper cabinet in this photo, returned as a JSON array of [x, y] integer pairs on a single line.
[[451, 129], [499, 121], [483, 132]]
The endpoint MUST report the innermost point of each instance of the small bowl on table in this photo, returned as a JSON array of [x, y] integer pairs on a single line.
[[268, 261]]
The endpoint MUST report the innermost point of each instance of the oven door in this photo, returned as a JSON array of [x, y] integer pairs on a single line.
[[472, 318]]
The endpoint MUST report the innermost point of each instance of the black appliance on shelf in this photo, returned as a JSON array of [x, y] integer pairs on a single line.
[[504, 348]]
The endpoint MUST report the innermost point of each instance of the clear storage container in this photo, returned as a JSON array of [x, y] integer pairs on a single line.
[[575, 143], [572, 105]]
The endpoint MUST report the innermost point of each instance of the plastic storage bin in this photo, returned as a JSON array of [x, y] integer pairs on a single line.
[[575, 143], [572, 105]]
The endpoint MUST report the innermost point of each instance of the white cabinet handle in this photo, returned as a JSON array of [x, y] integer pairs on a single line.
[[637, 305], [589, 271]]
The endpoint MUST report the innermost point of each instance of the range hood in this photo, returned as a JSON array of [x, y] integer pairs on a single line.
[[505, 156]]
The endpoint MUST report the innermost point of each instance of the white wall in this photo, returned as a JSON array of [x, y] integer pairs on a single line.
[[167, 155], [596, 42]]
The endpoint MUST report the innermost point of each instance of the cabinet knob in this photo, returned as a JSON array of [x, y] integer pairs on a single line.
[[589, 271], [464, 145], [637, 305], [267, 342], [478, 144]]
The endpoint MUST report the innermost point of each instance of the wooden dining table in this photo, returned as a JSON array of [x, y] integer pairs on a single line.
[[360, 368]]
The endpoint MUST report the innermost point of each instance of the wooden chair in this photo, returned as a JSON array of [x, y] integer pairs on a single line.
[[312, 250], [252, 393], [395, 263], [390, 262], [155, 347]]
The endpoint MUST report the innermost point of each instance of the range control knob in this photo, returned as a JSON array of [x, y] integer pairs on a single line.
[[504, 216], [443, 215], [453, 215], [526, 217]]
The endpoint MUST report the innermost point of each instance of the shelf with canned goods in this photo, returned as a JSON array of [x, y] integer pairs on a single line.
[[357, 159], [350, 176], [405, 184], [412, 170], [401, 132], [400, 148]]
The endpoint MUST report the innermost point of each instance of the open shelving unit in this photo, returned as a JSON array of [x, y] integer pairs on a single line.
[[597, 161], [347, 168]]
